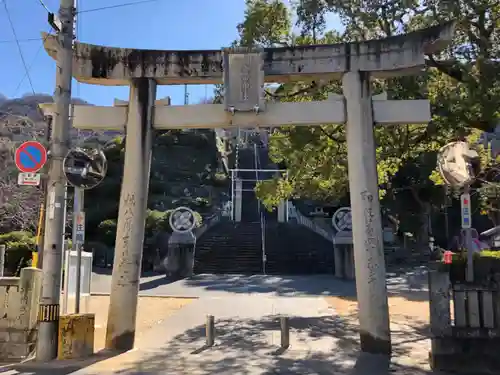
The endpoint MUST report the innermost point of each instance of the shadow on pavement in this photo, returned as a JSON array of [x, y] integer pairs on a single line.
[[411, 285], [155, 283], [107, 271], [57, 367], [317, 285], [249, 347]]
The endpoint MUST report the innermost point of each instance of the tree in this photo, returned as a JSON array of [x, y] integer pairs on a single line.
[[266, 24], [459, 84], [19, 205]]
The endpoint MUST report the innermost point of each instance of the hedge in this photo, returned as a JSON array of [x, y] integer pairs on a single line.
[[486, 267], [19, 247]]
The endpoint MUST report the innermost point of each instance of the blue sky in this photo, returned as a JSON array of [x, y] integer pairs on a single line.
[[164, 24]]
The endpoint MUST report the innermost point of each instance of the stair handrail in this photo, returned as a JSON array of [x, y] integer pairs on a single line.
[[307, 222]]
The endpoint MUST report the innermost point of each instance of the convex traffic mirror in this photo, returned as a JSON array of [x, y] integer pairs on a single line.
[[84, 167]]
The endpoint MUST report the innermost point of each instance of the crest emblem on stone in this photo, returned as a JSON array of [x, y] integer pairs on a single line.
[[342, 220], [182, 220]]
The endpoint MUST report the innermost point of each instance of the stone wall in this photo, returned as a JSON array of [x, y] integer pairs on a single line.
[[19, 298]]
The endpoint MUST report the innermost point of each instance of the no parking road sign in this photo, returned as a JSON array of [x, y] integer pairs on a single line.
[[31, 156]]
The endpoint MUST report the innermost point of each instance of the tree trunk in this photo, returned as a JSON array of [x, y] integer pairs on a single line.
[[425, 229], [424, 219], [494, 217]]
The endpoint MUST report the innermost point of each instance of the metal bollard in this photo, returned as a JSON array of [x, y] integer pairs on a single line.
[[285, 332], [210, 330]]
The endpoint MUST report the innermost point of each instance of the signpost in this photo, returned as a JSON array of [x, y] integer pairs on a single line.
[[80, 227], [84, 168], [30, 157], [28, 179], [182, 220], [465, 210], [455, 164], [466, 225]]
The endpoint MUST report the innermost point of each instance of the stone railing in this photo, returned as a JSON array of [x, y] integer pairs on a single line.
[[208, 223], [305, 221], [18, 314], [342, 246]]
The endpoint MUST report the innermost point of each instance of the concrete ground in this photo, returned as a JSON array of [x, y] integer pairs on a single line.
[[151, 312], [323, 337], [411, 283]]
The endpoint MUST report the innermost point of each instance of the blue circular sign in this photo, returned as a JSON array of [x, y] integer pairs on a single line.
[[31, 156]]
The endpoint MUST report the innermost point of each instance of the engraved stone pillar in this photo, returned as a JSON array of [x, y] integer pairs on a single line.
[[122, 312], [367, 225]]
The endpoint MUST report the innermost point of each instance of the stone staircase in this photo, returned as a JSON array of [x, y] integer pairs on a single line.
[[296, 250], [230, 248], [250, 203], [235, 248]]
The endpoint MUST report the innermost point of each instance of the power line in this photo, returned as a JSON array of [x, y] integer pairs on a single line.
[[20, 40], [117, 6], [18, 45], [43, 5], [26, 74]]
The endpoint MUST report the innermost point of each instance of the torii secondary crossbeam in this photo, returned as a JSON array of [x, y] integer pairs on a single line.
[[243, 73]]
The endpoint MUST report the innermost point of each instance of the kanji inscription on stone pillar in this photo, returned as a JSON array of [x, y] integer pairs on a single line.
[[243, 80]]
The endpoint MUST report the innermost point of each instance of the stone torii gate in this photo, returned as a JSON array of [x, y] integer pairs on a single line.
[[244, 73]]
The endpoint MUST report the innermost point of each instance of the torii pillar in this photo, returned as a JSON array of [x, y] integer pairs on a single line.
[[371, 289], [244, 75], [129, 242]]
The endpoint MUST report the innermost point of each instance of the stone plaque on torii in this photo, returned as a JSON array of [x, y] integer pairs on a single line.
[[244, 73]]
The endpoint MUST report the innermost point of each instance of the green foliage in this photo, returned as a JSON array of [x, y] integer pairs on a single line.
[[486, 267], [266, 23], [157, 222], [184, 171], [107, 232], [490, 254], [16, 237], [19, 246], [460, 85]]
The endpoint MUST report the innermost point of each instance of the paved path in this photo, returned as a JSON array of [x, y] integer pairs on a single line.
[[246, 311], [247, 343], [410, 282]]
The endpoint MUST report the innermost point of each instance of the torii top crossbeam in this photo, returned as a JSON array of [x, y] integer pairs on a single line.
[[394, 56]]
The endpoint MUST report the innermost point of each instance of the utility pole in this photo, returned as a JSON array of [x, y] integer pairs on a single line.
[[56, 187], [38, 256]]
